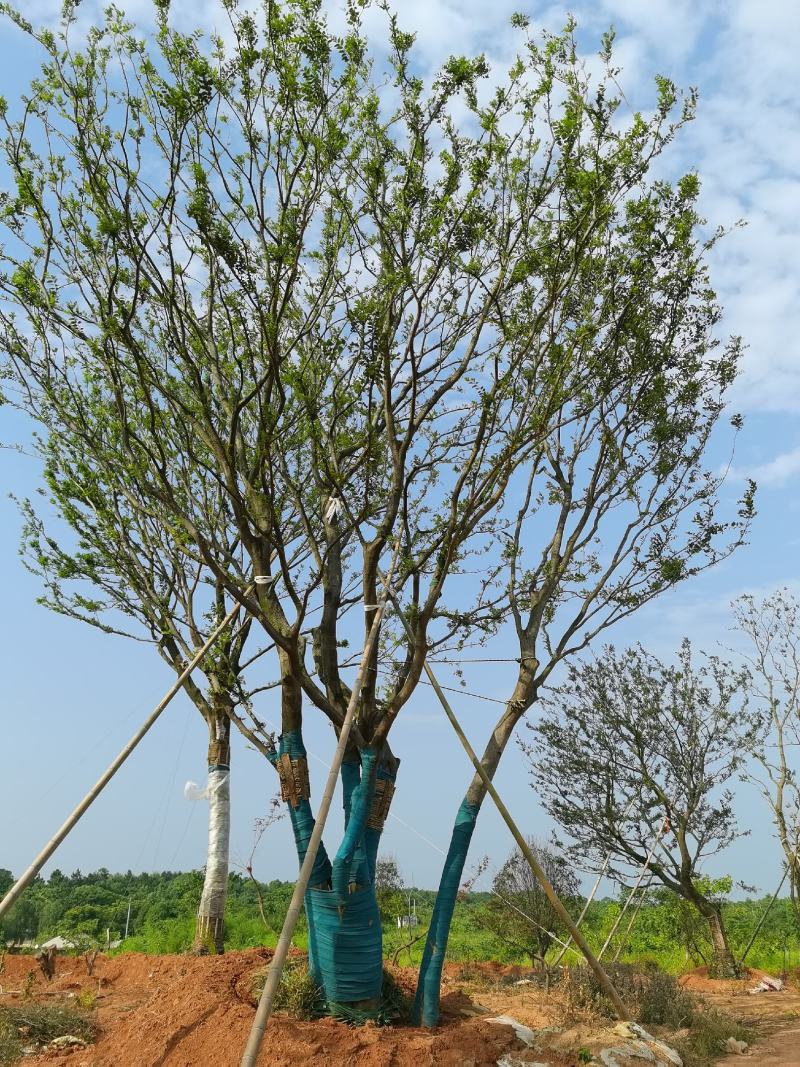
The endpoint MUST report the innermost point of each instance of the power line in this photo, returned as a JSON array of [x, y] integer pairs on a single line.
[[467, 693]]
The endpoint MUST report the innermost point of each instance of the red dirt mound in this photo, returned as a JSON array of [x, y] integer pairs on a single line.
[[699, 981], [186, 1011]]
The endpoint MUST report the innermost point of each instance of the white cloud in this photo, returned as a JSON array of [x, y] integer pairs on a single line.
[[776, 472], [745, 142]]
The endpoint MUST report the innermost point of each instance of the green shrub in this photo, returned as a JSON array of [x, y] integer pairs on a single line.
[[706, 1039], [655, 999], [298, 996]]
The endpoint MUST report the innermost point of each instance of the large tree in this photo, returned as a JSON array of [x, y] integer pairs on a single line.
[[365, 319], [636, 758], [231, 257], [615, 504]]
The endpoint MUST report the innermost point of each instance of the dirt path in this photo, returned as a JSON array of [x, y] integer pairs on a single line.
[[775, 1017], [781, 1049]]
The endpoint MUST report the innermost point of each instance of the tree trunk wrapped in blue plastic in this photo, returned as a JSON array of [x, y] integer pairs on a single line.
[[345, 948], [426, 1000]]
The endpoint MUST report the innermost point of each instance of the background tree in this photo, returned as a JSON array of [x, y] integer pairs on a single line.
[[520, 914], [125, 568], [630, 748], [772, 627], [389, 888]]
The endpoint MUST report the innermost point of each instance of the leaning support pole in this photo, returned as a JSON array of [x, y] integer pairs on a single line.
[[639, 904], [524, 847], [264, 1009], [762, 920], [632, 894], [590, 898], [103, 781]]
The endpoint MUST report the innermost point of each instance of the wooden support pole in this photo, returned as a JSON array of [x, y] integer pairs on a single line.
[[267, 998], [590, 898], [524, 847], [762, 920], [103, 781]]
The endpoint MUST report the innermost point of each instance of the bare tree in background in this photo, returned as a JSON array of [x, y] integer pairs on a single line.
[[772, 627], [636, 758], [520, 913]]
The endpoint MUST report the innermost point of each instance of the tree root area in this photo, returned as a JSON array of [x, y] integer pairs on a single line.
[[189, 1011]]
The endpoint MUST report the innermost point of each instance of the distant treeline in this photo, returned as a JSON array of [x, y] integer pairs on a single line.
[[88, 908]]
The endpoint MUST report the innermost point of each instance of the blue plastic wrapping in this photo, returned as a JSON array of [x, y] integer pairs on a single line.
[[345, 949], [353, 840], [426, 999], [345, 944], [351, 778]]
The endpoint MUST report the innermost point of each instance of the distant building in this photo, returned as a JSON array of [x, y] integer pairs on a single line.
[[59, 943]]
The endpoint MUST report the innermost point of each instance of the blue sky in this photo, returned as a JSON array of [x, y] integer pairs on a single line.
[[71, 696]]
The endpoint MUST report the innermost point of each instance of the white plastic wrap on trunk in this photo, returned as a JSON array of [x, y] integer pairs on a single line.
[[215, 887]]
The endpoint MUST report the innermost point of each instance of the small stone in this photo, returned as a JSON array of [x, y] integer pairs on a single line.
[[67, 1041], [733, 1045], [514, 1061]]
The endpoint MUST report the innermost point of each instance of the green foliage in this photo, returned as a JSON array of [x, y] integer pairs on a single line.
[[706, 1039], [389, 889], [298, 996], [163, 909]]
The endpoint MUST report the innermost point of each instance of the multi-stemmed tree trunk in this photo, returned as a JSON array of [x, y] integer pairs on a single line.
[[345, 946]]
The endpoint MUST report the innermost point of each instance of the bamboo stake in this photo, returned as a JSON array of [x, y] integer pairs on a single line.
[[590, 898], [629, 927], [524, 847], [267, 998], [642, 873], [105, 778], [761, 921]]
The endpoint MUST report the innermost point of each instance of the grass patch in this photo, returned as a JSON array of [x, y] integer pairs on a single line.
[[705, 1042], [37, 1024], [653, 996], [298, 996]]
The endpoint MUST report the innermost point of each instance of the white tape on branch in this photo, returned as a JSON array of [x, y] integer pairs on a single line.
[[192, 791], [334, 509]]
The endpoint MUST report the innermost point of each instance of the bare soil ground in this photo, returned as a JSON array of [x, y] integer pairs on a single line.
[[184, 1011], [775, 1017]]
